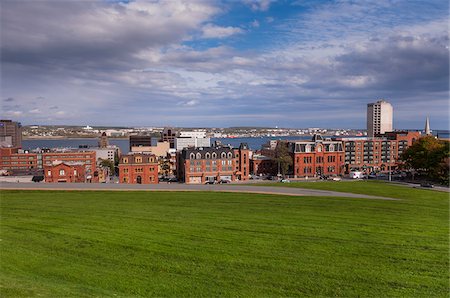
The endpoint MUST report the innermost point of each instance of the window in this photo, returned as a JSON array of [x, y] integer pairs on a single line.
[[319, 148], [75, 172], [214, 155], [62, 173], [49, 173], [138, 159], [331, 149], [307, 148], [223, 155], [199, 156], [230, 155], [125, 160], [207, 155]]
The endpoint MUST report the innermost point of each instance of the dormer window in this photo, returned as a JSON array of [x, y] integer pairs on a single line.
[[199, 156], [138, 159], [125, 160], [223, 155], [230, 155], [192, 156], [207, 155], [214, 155]]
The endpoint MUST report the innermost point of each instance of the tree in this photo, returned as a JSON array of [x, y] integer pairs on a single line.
[[108, 163], [282, 157], [429, 157]]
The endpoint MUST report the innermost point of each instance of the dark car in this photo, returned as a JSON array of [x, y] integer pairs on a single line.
[[426, 184], [209, 182], [224, 181], [37, 178]]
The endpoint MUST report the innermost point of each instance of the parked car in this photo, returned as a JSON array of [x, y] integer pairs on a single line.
[[209, 182], [285, 181], [224, 181], [37, 178], [172, 180], [426, 184], [336, 179]]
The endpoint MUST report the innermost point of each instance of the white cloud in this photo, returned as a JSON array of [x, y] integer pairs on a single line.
[[190, 103], [35, 111], [213, 31], [255, 24], [258, 5]]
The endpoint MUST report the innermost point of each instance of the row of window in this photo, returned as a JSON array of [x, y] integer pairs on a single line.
[[138, 159], [318, 170], [213, 155], [138, 170]]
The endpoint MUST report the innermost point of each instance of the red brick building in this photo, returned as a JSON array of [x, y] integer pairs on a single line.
[[60, 171], [262, 165], [138, 168], [317, 157], [199, 165], [20, 162], [87, 158], [377, 154]]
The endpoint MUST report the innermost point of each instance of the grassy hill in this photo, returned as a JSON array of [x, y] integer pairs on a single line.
[[75, 243]]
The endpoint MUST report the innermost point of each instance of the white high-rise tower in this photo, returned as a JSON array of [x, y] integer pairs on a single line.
[[379, 118]]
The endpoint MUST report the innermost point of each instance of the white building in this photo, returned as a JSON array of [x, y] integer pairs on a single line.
[[200, 134], [379, 118], [181, 143]]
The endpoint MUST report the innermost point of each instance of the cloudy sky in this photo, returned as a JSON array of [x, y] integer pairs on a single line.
[[302, 63]]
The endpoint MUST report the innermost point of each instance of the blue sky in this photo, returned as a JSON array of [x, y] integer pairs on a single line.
[[224, 63]]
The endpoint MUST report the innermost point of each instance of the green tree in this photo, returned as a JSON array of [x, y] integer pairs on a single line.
[[429, 157], [108, 163], [283, 158]]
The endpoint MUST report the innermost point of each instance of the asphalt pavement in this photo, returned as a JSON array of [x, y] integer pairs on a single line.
[[184, 187]]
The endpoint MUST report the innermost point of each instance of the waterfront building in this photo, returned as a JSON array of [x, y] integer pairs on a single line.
[[213, 164], [317, 157], [138, 168], [140, 141], [199, 134], [10, 134], [379, 118], [160, 150]]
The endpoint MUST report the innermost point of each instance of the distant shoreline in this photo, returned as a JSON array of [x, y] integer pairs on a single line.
[[69, 138]]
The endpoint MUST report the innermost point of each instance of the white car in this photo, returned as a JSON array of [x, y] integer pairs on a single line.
[[285, 181], [336, 179]]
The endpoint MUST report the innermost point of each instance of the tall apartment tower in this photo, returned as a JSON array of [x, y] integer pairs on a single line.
[[10, 133], [379, 118]]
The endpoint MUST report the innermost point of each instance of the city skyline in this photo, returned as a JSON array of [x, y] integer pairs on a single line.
[[224, 64]]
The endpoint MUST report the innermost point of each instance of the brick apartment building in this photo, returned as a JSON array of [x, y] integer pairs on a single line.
[[23, 162], [377, 154], [60, 171], [317, 157], [138, 168], [199, 165]]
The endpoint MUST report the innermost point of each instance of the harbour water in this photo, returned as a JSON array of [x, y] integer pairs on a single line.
[[123, 144]]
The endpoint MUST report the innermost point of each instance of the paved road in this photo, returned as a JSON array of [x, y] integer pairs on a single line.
[[184, 187]]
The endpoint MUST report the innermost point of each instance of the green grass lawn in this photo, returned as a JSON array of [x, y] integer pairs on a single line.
[[74, 243]]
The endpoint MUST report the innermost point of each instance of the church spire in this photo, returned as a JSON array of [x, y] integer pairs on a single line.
[[427, 127]]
